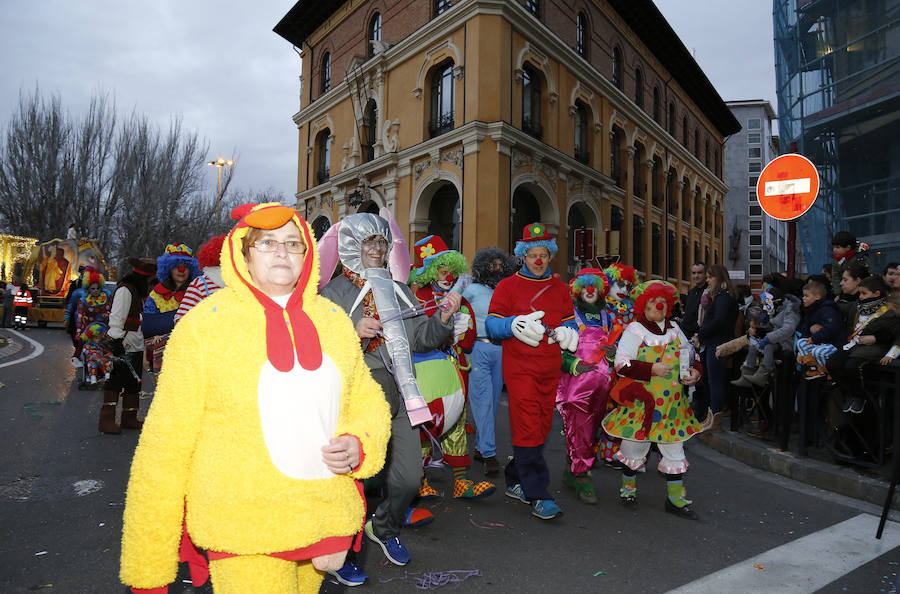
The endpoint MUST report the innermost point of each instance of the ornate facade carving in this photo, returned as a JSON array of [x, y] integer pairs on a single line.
[[420, 168], [454, 157], [520, 159]]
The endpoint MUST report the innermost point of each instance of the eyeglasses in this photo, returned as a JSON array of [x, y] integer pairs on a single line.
[[267, 246], [375, 243]]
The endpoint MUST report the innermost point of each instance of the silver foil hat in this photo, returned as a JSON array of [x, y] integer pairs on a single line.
[[354, 229]]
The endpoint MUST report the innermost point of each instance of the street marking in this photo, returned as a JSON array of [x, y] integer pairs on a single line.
[[806, 564], [787, 186], [38, 349]]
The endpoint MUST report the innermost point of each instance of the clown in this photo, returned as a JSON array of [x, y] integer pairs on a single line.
[[442, 374], [209, 281], [96, 360], [255, 449], [584, 384], [175, 269], [94, 305], [655, 362], [527, 313], [621, 280]]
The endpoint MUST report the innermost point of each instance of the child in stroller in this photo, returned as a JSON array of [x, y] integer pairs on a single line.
[[95, 359]]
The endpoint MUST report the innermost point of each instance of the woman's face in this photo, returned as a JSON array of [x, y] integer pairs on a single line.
[[712, 283], [374, 251], [655, 310], [180, 274], [537, 260], [276, 272], [849, 285]]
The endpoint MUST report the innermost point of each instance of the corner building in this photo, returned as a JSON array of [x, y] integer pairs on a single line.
[[471, 118]]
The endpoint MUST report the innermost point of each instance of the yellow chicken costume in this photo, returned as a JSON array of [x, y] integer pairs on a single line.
[[235, 461]]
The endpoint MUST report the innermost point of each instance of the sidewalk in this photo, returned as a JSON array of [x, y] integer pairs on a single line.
[[871, 486], [11, 346]]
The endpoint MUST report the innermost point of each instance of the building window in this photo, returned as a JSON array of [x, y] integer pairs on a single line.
[[655, 245], [323, 155], [756, 269], [581, 133], [756, 239], [756, 254], [697, 143], [717, 163], [756, 225], [753, 124], [582, 35], [685, 261], [671, 246], [441, 100], [696, 252], [754, 152], [752, 181], [637, 248], [656, 104], [755, 210], [639, 88], [636, 176], [441, 6], [684, 132], [326, 72], [374, 32], [656, 189], [671, 121], [753, 138], [706, 155], [617, 68], [531, 102], [752, 194], [754, 167], [370, 123], [534, 7], [615, 156]]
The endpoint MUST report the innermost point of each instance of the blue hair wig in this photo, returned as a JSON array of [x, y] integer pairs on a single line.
[[522, 247]]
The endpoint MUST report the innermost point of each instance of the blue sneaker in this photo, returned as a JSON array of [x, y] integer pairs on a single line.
[[393, 549], [545, 509], [516, 492], [350, 574]]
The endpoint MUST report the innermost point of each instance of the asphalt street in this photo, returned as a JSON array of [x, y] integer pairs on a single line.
[[62, 488]]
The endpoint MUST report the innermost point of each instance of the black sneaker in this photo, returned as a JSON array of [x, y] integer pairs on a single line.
[[857, 405], [685, 512]]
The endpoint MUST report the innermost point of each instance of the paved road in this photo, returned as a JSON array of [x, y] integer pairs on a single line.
[[62, 488]]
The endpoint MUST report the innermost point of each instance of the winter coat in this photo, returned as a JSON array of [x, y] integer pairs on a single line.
[[719, 320], [824, 312], [785, 322]]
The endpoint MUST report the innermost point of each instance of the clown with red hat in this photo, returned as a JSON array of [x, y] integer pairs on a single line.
[[655, 362], [443, 374], [527, 313]]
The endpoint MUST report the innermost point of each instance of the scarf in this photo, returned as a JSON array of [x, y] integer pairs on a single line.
[[844, 256], [369, 309]]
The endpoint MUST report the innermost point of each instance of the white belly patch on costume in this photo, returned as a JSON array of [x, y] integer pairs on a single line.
[[298, 411]]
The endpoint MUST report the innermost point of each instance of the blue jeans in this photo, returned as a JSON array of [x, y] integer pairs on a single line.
[[485, 385]]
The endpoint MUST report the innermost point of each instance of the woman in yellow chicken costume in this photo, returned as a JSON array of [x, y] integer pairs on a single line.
[[264, 422]]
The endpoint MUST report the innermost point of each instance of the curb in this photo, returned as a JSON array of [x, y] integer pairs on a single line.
[[12, 347], [845, 480]]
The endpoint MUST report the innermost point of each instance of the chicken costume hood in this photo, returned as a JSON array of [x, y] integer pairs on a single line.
[[224, 453]]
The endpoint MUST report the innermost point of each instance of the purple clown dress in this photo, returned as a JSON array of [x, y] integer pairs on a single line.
[[582, 399]]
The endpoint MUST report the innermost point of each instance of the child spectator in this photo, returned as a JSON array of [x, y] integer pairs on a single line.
[[21, 304], [846, 250], [784, 316], [821, 329], [876, 338]]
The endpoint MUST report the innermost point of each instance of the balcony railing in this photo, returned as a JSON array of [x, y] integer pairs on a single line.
[[440, 125], [531, 127], [322, 175], [582, 156]]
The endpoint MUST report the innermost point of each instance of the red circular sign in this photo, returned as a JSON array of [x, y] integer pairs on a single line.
[[787, 187]]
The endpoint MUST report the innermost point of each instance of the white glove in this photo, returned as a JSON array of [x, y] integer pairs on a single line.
[[528, 329], [566, 337], [460, 325]]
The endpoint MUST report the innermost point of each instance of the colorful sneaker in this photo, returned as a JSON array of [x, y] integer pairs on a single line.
[[393, 549], [426, 491], [516, 492], [466, 489], [350, 574], [628, 496], [417, 517], [545, 509]]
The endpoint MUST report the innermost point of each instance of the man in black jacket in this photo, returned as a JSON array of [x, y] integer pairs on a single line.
[[689, 323]]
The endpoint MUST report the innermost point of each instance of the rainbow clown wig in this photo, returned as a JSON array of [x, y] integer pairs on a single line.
[[618, 273], [535, 235], [646, 291], [431, 254], [589, 277], [176, 254], [91, 277]]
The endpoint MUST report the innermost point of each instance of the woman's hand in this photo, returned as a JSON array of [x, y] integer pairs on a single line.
[[692, 378], [451, 303], [661, 369], [341, 455], [368, 327]]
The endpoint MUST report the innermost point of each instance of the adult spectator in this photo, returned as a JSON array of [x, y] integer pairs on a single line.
[[689, 324], [892, 277], [7, 293], [258, 435], [717, 328]]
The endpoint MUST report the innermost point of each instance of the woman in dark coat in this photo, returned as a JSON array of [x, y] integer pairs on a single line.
[[719, 317]]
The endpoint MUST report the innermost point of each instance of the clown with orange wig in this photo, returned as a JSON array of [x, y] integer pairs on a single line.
[[655, 362]]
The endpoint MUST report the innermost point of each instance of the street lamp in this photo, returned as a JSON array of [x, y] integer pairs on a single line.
[[219, 163]]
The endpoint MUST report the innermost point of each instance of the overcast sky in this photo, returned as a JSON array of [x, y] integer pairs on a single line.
[[219, 66]]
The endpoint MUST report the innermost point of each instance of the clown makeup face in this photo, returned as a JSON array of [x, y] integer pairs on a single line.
[[180, 274], [655, 310], [445, 278], [374, 251], [619, 291], [590, 294], [537, 260]]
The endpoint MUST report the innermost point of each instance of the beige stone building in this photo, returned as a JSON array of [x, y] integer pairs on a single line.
[[471, 118]]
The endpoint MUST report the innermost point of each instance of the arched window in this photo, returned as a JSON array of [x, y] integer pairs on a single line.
[[441, 100], [370, 123], [323, 155], [531, 102], [672, 118], [684, 131], [718, 164], [374, 32], [326, 72], [706, 155], [685, 261], [320, 226], [534, 7], [615, 156], [656, 104], [617, 68], [637, 247], [697, 143], [582, 34], [443, 215], [581, 133], [638, 87]]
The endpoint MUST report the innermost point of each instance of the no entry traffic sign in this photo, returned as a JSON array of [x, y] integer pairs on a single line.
[[787, 187]]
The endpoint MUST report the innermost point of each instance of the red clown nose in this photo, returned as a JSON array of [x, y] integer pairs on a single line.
[[449, 278], [181, 268], [538, 262], [660, 305]]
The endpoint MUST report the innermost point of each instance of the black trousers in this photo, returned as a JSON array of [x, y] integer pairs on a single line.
[[529, 469], [846, 370]]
